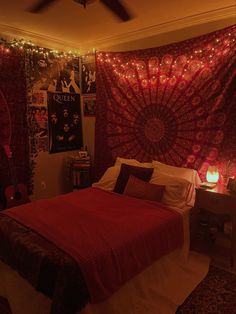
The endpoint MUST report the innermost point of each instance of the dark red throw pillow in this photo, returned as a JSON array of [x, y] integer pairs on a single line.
[[140, 189], [127, 170]]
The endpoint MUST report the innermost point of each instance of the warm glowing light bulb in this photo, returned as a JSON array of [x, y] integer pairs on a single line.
[[212, 175]]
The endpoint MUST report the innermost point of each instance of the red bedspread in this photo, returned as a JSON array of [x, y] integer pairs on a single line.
[[111, 236]]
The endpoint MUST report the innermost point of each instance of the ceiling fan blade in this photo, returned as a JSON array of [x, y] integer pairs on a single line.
[[118, 9], [41, 5]]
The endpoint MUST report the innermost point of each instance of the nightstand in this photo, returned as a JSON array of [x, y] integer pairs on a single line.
[[81, 173], [213, 210]]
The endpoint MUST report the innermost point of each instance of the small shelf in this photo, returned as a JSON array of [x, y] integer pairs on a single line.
[[213, 222], [80, 173]]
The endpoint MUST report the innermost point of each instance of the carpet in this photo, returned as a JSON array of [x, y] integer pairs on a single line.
[[216, 294]]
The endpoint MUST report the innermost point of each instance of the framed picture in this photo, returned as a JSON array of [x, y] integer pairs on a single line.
[[88, 74], [89, 106]]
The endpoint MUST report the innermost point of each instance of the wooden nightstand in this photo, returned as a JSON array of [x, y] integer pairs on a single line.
[[81, 173], [212, 210]]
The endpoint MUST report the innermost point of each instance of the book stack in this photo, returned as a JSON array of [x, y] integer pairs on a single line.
[[81, 172]]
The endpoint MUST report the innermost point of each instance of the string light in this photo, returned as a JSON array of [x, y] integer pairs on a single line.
[[31, 48], [200, 58]]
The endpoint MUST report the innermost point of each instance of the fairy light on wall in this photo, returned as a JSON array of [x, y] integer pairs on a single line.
[[201, 58], [31, 48]]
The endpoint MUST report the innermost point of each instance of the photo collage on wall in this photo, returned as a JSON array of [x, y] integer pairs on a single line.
[[38, 121], [88, 83], [89, 105], [50, 76]]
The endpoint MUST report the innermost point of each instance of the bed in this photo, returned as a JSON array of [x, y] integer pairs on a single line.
[[141, 250]]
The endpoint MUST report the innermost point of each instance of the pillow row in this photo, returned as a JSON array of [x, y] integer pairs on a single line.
[[188, 174], [133, 181]]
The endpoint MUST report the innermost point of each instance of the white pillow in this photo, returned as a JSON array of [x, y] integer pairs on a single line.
[[188, 174], [178, 191], [108, 180], [132, 162]]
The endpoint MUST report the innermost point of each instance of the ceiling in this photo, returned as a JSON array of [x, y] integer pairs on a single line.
[[67, 25]]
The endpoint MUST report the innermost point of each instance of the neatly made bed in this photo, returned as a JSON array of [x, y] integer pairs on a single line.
[[97, 251]]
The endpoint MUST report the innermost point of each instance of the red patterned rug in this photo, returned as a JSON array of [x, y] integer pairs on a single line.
[[216, 294]]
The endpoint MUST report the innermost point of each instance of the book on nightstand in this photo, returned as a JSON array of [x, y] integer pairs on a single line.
[[208, 185]]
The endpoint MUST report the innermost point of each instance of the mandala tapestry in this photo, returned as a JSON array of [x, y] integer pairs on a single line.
[[175, 103]]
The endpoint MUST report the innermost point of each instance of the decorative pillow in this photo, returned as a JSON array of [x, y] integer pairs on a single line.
[[108, 180], [178, 191], [132, 162], [144, 190], [126, 170], [188, 174]]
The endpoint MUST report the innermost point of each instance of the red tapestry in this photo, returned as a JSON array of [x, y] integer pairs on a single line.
[[175, 103], [13, 129]]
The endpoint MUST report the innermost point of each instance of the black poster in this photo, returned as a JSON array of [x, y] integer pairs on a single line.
[[64, 119]]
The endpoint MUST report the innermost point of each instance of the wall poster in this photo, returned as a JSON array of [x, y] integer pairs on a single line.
[[38, 122], [38, 114], [89, 106], [64, 119], [88, 74], [55, 74]]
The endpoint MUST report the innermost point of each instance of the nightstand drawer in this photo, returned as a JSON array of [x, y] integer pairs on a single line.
[[214, 202]]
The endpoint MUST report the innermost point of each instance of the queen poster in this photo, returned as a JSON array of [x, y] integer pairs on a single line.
[[64, 119]]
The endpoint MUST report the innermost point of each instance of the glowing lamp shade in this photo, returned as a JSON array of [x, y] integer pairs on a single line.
[[212, 175]]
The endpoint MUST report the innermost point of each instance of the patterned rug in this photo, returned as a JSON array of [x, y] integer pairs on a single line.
[[216, 294]]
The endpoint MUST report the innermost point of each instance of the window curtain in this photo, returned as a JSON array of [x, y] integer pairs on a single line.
[[13, 119], [175, 103]]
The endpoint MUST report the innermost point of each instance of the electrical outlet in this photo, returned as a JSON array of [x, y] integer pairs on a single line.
[[43, 185]]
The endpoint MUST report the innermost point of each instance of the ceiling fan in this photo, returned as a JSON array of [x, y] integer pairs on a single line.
[[113, 5]]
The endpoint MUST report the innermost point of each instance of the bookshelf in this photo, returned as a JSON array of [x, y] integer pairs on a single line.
[[81, 172]]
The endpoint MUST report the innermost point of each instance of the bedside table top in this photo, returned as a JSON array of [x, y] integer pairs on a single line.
[[219, 189]]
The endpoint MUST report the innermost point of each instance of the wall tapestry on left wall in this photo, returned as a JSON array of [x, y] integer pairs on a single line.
[[12, 86]]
